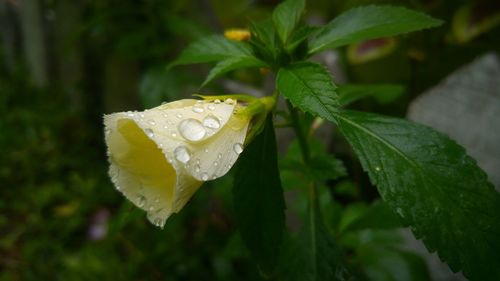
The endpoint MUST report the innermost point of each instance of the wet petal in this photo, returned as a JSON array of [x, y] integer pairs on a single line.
[[161, 156]]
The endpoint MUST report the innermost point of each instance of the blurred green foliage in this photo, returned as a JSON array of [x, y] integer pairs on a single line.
[[60, 217]]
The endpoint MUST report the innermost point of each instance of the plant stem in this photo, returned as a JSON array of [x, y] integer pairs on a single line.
[[306, 155], [301, 137]]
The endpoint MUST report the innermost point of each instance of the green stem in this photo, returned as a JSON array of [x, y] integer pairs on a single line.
[[314, 210], [301, 137]]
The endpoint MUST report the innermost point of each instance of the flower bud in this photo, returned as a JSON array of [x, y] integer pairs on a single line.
[[161, 156]]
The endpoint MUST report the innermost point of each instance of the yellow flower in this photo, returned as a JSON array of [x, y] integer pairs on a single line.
[[161, 156], [237, 34]]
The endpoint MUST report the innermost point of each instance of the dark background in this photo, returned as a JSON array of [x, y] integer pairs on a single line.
[[63, 64]]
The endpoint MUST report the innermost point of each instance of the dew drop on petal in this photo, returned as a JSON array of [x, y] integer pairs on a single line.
[[174, 134], [211, 107], [130, 114], [216, 163], [204, 177], [159, 222], [378, 169], [152, 122], [211, 122], [206, 150], [191, 129], [238, 148], [219, 156], [197, 168], [149, 133], [141, 200], [197, 108], [141, 115], [182, 154], [229, 101], [179, 115]]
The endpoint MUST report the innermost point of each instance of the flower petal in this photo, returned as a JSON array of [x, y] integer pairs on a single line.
[[139, 168], [160, 157], [215, 157]]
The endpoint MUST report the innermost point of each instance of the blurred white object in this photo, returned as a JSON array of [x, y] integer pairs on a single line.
[[466, 106]]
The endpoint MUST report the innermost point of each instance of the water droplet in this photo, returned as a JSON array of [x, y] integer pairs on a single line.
[[191, 129], [206, 150], [179, 115], [165, 126], [197, 168], [182, 154], [174, 134], [149, 133], [216, 163], [229, 101], [165, 115], [130, 114], [378, 169], [211, 122], [141, 115], [211, 107], [217, 101], [141, 200], [197, 108], [152, 122], [219, 156], [198, 161], [119, 188], [204, 177], [238, 148], [159, 222]]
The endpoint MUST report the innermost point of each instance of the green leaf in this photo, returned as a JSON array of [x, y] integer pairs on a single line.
[[299, 36], [377, 216], [369, 22], [264, 41], [258, 199], [286, 16], [383, 93], [429, 181], [313, 255], [326, 167], [323, 166], [309, 87], [212, 48], [230, 65]]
